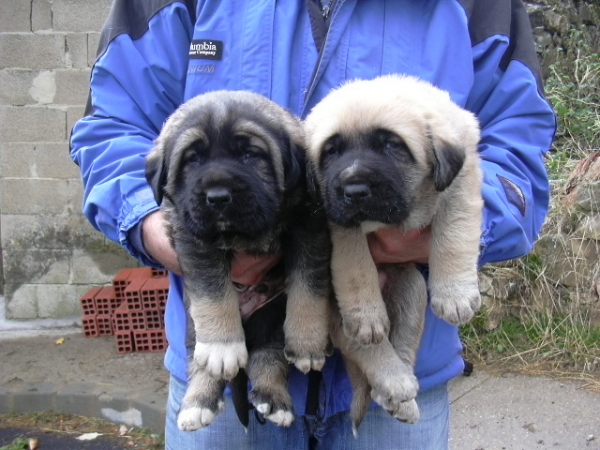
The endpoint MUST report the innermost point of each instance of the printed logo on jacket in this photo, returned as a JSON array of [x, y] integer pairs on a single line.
[[206, 49]]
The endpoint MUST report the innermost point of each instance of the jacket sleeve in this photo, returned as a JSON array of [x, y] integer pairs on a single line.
[[137, 81], [517, 124]]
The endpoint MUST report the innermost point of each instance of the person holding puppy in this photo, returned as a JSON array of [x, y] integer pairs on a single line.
[[154, 56]]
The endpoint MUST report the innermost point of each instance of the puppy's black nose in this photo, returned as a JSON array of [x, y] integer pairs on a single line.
[[218, 196], [356, 191]]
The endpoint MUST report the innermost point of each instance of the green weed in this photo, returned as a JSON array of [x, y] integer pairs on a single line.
[[554, 343], [17, 444]]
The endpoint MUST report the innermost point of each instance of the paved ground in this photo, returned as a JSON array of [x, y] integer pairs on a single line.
[[523, 413], [81, 376], [86, 376]]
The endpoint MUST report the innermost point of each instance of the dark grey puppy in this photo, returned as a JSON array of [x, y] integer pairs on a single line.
[[229, 169], [396, 152]]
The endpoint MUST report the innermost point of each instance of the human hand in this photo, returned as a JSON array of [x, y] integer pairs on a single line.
[[157, 242], [249, 270], [391, 245]]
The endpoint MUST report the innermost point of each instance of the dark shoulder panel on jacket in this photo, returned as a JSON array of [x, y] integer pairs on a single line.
[[131, 17], [504, 17]]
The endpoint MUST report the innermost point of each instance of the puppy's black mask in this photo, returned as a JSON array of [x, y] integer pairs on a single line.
[[373, 176], [366, 176], [225, 187]]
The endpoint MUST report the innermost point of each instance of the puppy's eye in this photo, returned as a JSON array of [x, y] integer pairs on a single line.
[[394, 144], [190, 157], [248, 147], [194, 153], [388, 141], [333, 147], [331, 150], [251, 152]]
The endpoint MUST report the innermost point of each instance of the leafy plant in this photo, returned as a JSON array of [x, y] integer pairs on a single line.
[[17, 444]]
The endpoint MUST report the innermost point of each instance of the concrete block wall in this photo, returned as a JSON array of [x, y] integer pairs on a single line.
[[49, 254]]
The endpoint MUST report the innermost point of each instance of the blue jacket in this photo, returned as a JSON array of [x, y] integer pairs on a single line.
[[156, 54]]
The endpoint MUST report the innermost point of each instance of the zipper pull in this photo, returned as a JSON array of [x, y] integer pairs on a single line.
[[325, 7]]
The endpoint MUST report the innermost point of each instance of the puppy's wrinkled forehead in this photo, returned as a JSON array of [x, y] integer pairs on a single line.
[[221, 114], [401, 105]]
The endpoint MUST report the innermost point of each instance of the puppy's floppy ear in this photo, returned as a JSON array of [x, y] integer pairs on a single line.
[[156, 172], [448, 159]]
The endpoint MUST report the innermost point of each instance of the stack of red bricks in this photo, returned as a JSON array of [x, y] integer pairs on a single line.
[[131, 309]]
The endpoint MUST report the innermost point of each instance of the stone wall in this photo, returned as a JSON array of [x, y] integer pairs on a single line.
[[49, 254], [553, 20]]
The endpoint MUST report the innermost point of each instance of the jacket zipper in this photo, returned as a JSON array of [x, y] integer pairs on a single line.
[[331, 6]]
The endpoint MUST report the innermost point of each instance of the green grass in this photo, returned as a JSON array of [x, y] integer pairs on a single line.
[[544, 344], [555, 340]]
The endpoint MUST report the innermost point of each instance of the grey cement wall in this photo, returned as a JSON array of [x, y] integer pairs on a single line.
[[49, 254]]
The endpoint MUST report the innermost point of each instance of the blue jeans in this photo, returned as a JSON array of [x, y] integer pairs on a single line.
[[378, 431]]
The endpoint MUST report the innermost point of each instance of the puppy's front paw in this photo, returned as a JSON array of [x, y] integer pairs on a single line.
[[309, 353], [195, 417], [456, 304], [222, 360], [366, 326], [394, 393], [203, 400], [274, 406], [407, 412]]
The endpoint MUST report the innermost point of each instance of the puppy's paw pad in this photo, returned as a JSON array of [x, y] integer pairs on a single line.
[[303, 362], [281, 418], [454, 316], [366, 328], [221, 360], [274, 406], [263, 408], [307, 347], [391, 392], [407, 412], [194, 418], [305, 365], [455, 311], [456, 302]]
